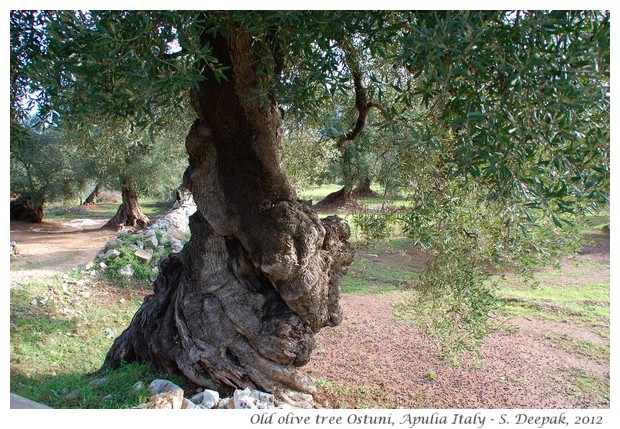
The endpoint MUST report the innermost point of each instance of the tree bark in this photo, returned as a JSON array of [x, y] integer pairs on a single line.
[[92, 197], [344, 195], [363, 107], [129, 212], [24, 209], [261, 274]]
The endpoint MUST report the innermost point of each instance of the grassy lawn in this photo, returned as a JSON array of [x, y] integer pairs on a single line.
[[370, 273], [584, 303]]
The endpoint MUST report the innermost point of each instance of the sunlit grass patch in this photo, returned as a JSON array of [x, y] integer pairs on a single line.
[[590, 349], [317, 193], [104, 209], [585, 303], [60, 333], [371, 274]]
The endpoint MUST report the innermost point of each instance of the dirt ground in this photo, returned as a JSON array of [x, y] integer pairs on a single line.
[[55, 246], [372, 358]]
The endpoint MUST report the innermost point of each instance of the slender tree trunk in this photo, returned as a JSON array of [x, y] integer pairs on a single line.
[[92, 197], [240, 305], [129, 212]]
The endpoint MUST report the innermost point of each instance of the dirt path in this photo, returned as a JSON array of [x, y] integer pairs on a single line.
[[52, 247]]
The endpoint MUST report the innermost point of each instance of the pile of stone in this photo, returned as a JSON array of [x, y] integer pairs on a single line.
[[166, 394], [150, 244]]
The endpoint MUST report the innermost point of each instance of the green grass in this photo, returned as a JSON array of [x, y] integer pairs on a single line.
[[597, 222], [369, 274], [150, 207], [316, 194], [584, 303], [359, 397], [587, 384], [567, 295], [76, 390], [59, 335], [590, 349], [431, 375]]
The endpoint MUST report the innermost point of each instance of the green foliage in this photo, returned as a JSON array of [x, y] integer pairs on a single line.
[[307, 158], [453, 305], [45, 165], [141, 270], [525, 97], [127, 246], [475, 236], [373, 226], [107, 63], [117, 153]]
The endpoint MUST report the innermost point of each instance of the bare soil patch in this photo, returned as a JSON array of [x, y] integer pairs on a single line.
[[55, 246], [372, 357]]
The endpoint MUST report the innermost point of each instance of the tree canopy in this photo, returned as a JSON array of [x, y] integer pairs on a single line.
[[497, 122]]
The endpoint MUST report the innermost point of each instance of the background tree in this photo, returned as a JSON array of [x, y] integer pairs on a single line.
[[45, 166], [516, 116], [135, 162], [307, 157]]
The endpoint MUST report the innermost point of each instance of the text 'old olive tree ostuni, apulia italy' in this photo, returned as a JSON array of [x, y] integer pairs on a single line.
[[503, 118]]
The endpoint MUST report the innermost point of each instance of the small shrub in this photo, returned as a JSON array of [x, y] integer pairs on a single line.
[[431, 375]]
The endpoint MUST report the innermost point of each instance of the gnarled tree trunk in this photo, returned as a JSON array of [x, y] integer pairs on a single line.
[[347, 193], [337, 198], [363, 107], [24, 209], [92, 197], [240, 305], [129, 212]]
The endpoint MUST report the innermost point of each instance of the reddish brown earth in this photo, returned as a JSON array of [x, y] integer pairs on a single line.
[[374, 360]]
